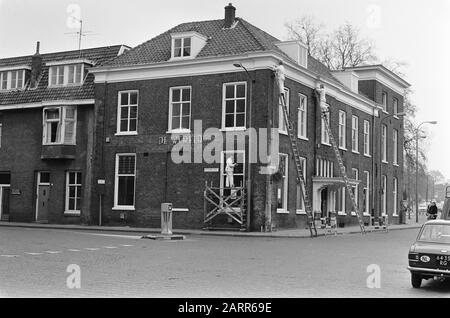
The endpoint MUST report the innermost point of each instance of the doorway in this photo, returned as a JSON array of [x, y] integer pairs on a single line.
[[42, 196], [324, 202], [5, 189]]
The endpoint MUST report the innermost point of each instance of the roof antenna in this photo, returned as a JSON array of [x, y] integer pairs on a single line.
[[80, 33]]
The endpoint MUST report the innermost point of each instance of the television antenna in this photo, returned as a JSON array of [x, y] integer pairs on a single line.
[[80, 33]]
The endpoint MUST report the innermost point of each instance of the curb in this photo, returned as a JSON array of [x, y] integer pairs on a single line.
[[188, 232]]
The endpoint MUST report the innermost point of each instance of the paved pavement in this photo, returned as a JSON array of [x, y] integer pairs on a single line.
[[33, 263]]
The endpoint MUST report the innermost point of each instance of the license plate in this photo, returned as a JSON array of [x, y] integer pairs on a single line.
[[443, 261]]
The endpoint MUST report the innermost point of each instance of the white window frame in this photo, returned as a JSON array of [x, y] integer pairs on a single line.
[[384, 101], [63, 124], [9, 80], [384, 133], [367, 190], [282, 127], [324, 136], [183, 39], [355, 134], [395, 107], [128, 132], [355, 173], [65, 77], [395, 148], [343, 197], [384, 195], [301, 209], [302, 117], [366, 138], [285, 208], [342, 130], [224, 100], [171, 104], [116, 183], [395, 196], [77, 211]]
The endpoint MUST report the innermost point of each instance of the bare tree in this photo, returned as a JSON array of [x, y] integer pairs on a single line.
[[307, 31]]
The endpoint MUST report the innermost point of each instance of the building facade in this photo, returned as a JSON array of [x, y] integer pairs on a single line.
[[47, 124], [163, 120]]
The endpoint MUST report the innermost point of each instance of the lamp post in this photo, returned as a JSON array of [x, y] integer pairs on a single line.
[[417, 165], [380, 201], [250, 142]]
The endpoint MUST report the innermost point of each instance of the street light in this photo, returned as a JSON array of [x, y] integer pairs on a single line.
[[417, 165], [250, 141], [401, 114]]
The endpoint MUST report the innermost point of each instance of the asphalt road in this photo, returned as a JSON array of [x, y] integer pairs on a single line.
[[33, 263]]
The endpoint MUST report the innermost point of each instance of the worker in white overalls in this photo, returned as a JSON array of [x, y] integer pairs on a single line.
[[320, 88], [229, 170], [281, 77]]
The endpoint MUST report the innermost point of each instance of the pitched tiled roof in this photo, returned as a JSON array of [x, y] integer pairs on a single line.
[[240, 39], [42, 92]]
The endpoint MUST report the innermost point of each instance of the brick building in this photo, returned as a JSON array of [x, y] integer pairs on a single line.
[[221, 72], [46, 135]]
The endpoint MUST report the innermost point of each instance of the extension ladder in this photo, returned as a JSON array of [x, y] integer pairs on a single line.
[[300, 177], [343, 172]]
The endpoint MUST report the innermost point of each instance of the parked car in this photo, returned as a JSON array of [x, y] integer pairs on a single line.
[[429, 256]]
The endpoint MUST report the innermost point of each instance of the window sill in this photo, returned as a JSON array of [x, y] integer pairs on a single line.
[[282, 211], [396, 165], [366, 214], [356, 152], [342, 214], [124, 208], [368, 156], [395, 215], [58, 144], [72, 213], [353, 213], [303, 138], [385, 162], [233, 129], [396, 117], [180, 210], [325, 144], [342, 148], [300, 212], [181, 132], [282, 132], [126, 134]]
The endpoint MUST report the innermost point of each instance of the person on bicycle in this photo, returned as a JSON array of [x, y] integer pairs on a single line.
[[432, 211]]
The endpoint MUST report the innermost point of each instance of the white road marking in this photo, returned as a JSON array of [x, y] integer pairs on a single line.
[[34, 254], [74, 250], [9, 256], [109, 247], [126, 245], [53, 252], [91, 249], [132, 237]]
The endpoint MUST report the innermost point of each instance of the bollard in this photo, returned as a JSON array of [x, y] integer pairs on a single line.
[[166, 219]]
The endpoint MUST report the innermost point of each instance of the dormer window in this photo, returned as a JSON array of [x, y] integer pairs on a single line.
[[14, 79], [187, 45], [63, 75], [182, 47]]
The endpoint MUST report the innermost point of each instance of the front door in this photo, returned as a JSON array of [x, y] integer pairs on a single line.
[[43, 195], [324, 202], [5, 180]]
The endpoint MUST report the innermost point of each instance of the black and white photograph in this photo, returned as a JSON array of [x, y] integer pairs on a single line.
[[230, 152]]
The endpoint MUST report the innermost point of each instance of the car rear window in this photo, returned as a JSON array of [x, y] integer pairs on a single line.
[[437, 233]]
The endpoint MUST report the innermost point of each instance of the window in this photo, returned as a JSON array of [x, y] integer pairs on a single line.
[[366, 192], [355, 186], [395, 195], [182, 47], [384, 100], [384, 195], [0, 135], [342, 126], [300, 204], [12, 80], [127, 112], [395, 149], [366, 138], [125, 179], [384, 143], [324, 168], [355, 137], [282, 187], [395, 107], [73, 192], [180, 109], [325, 137], [234, 105], [303, 117], [60, 125], [238, 157], [282, 127], [62, 75], [342, 198]]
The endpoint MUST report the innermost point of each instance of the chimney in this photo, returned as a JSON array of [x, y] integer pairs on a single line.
[[36, 66], [230, 16]]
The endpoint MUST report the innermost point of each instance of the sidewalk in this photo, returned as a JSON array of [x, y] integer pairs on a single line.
[[294, 233]]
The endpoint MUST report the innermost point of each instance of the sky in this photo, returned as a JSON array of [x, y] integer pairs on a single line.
[[412, 31]]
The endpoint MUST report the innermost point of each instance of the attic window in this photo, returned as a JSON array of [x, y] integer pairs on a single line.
[[12, 79], [182, 47], [63, 75]]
